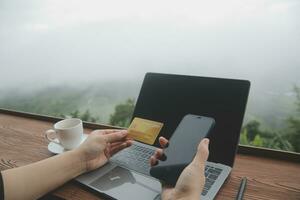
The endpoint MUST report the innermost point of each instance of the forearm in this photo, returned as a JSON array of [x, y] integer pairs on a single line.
[[34, 180]]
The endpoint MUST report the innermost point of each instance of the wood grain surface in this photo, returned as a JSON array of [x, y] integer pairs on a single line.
[[22, 142]]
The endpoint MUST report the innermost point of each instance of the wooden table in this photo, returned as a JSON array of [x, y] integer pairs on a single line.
[[22, 142]]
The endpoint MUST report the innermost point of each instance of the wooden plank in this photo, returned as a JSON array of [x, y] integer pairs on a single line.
[[22, 142], [269, 153], [267, 179], [53, 119]]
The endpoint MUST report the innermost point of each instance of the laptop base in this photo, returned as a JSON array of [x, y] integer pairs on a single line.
[[121, 183]]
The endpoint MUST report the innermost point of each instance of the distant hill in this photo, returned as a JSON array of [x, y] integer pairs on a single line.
[[99, 98], [268, 107]]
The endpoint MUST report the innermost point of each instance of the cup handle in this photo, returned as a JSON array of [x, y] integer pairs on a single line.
[[48, 133]]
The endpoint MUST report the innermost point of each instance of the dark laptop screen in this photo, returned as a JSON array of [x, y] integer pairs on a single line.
[[168, 98]]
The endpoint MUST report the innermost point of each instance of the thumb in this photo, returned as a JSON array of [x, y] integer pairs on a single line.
[[202, 153]]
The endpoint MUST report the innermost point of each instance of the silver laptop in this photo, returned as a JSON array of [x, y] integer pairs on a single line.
[[163, 97]]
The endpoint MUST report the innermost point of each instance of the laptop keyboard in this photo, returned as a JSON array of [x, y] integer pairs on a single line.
[[211, 175], [135, 158]]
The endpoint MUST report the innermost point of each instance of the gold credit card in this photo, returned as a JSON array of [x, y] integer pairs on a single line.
[[144, 130]]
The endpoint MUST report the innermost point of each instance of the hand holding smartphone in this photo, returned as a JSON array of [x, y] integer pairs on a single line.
[[182, 147]]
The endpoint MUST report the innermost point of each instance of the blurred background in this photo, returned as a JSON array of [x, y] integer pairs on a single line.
[[88, 58]]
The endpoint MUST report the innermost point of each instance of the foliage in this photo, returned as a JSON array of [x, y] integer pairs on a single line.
[[97, 97], [85, 116], [123, 113], [244, 137], [252, 129], [293, 134], [263, 138], [288, 139], [258, 141]]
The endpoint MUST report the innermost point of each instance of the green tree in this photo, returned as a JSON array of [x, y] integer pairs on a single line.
[[122, 114], [264, 138], [278, 141], [244, 137], [293, 132], [85, 116], [252, 128], [258, 141], [75, 114]]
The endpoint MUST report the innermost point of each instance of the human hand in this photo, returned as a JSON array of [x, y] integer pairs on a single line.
[[191, 181], [100, 145]]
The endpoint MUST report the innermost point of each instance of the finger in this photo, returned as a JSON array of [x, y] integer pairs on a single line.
[[159, 154], [105, 131], [129, 142], [108, 131], [119, 142], [202, 153], [115, 136], [119, 147], [114, 144], [153, 161], [107, 150], [164, 143]]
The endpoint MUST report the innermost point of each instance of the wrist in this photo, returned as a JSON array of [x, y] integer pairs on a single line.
[[79, 160]]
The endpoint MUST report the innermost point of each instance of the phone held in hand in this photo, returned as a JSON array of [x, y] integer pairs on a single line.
[[182, 147]]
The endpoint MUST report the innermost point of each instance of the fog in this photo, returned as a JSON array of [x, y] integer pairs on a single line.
[[55, 42]]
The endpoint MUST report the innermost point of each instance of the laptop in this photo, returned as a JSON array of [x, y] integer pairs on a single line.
[[167, 98]]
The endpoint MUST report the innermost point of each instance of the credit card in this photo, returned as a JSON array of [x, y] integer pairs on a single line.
[[144, 130]]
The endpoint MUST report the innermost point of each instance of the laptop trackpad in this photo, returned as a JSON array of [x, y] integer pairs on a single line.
[[121, 183]]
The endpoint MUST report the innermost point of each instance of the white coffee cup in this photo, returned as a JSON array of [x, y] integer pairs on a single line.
[[69, 133]]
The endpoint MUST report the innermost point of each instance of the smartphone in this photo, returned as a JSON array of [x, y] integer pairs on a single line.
[[182, 147]]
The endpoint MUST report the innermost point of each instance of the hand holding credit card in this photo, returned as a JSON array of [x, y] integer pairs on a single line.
[[144, 130]]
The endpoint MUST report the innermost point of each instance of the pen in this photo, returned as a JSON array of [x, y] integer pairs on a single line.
[[242, 188]]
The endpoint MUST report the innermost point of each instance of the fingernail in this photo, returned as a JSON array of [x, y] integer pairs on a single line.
[[129, 143], [206, 141]]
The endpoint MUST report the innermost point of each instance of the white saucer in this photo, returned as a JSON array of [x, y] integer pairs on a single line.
[[58, 149]]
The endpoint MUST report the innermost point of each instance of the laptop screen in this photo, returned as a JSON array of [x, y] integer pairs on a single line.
[[168, 98]]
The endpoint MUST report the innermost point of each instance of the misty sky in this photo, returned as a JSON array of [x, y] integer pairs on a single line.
[[57, 41]]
